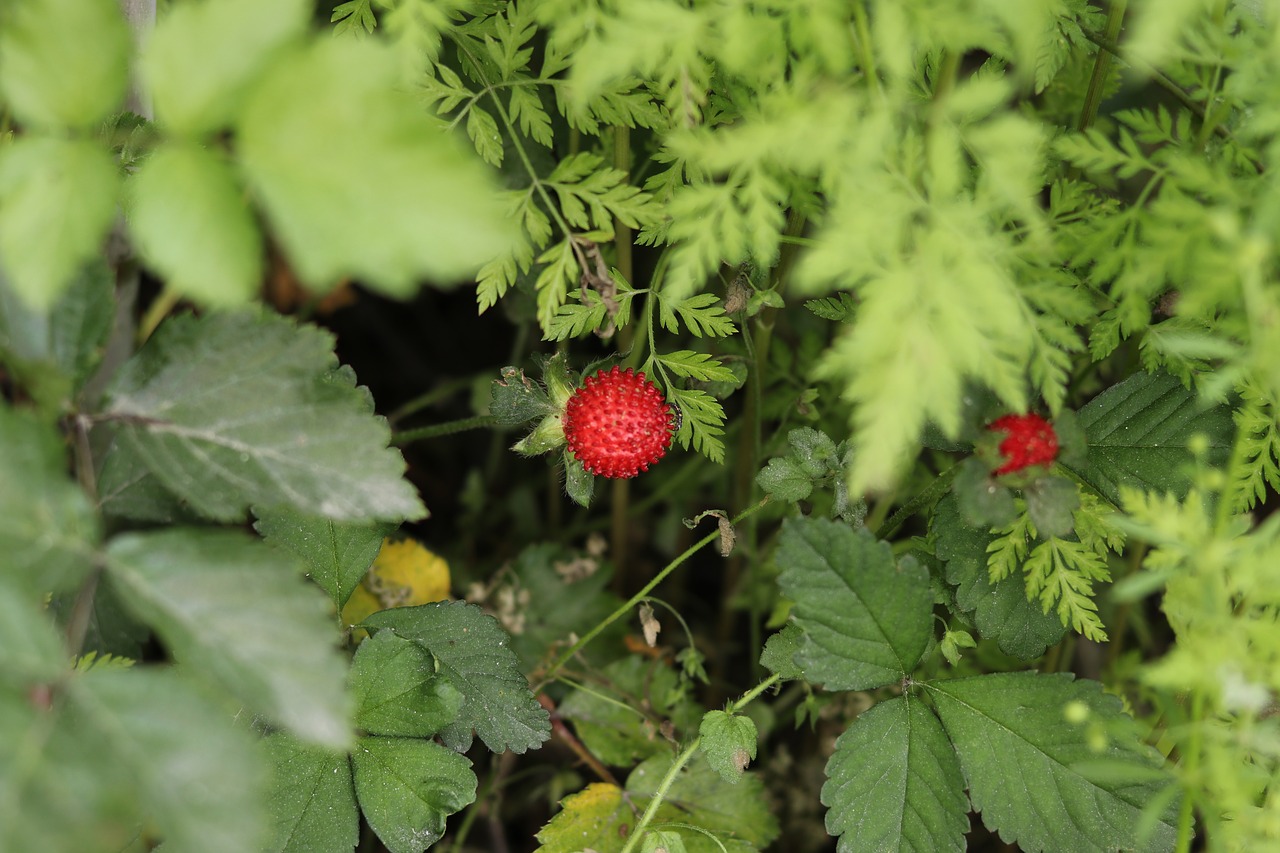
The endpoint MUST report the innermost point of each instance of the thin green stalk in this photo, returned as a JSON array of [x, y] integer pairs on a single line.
[[929, 496], [866, 57], [1191, 767], [409, 436], [1101, 67], [639, 596]]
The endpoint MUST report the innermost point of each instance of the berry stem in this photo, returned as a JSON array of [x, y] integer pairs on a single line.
[[409, 436]]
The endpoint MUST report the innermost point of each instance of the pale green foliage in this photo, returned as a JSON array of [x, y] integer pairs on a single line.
[[1258, 464]]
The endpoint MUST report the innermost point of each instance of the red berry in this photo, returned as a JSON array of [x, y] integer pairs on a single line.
[[618, 424], [1029, 440]]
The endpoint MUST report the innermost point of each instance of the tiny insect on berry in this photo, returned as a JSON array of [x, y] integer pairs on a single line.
[[618, 424], [1029, 440]]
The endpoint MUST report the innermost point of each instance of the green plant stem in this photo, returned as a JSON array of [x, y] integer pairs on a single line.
[[664, 787], [1101, 67], [929, 496], [156, 312], [1191, 757], [714, 536], [409, 436], [866, 56], [441, 392]]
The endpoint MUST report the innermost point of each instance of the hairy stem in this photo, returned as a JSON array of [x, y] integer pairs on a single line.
[[409, 436]]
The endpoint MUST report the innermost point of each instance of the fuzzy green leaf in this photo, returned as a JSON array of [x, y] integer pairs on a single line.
[[893, 783], [194, 227], [57, 203], [866, 618], [233, 410], [312, 800], [779, 654], [784, 480], [47, 529], [729, 742], [397, 690], [515, 398], [1035, 777], [63, 63], [202, 57], [337, 554], [1138, 432], [357, 181], [407, 787], [239, 616], [472, 652]]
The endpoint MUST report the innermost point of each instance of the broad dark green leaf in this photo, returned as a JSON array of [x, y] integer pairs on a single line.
[[737, 814], [233, 410], [63, 63], [608, 720], [398, 691], [1036, 778], [1000, 612], [1138, 432], [193, 226], [47, 529], [337, 554], [472, 652], [57, 202], [127, 489], [53, 352], [357, 181], [237, 613], [198, 777], [407, 787], [312, 799], [893, 783], [729, 743], [866, 618], [203, 56]]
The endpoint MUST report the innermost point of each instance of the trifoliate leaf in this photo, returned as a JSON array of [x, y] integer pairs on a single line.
[[233, 410], [193, 226], [1138, 434], [472, 652], [397, 690], [1000, 611], [312, 799], [47, 529], [357, 181], [63, 63], [407, 787], [893, 783], [729, 742], [202, 57], [236, 612], [57, 203], [337, 554], [866, 618], [1035, 777]]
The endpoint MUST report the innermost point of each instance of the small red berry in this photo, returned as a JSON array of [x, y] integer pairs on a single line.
[[617, 424], [1029, 440]]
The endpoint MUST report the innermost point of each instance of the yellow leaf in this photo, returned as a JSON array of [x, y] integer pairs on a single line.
[[404, 574]]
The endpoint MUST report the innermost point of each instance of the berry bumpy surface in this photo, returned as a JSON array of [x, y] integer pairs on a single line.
[[1029, 440], [618, 424]]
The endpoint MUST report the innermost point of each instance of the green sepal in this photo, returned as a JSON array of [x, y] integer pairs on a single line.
[[561, 382], [515, 398], [1051, 503], [548, 435], [984, 502], [578, 481]]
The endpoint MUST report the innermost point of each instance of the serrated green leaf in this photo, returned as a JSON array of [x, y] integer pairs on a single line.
[[354, 17], [194, 227], [53, 352], [63, 63], [515, 398], [337, 554], [698, 366], [233, 410], [407, 787], [893, 783], [595, 818], [472, 652], [1033, 776], [398, 691], [357, 181], [779, 654], [57, 202], [839, 308], [202, 57], [1138, 432], [729, 743], [238, 614], [47, 529], [483, 132], [701, 421], [312, 799], [198, 776], [663, 841], [784, 480], [866, 618], [702, 314], [737, 815], [1000, 611]]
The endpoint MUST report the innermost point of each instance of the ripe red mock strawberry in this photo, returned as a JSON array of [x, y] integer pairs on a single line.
[[617, 424], [1029, 440]]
